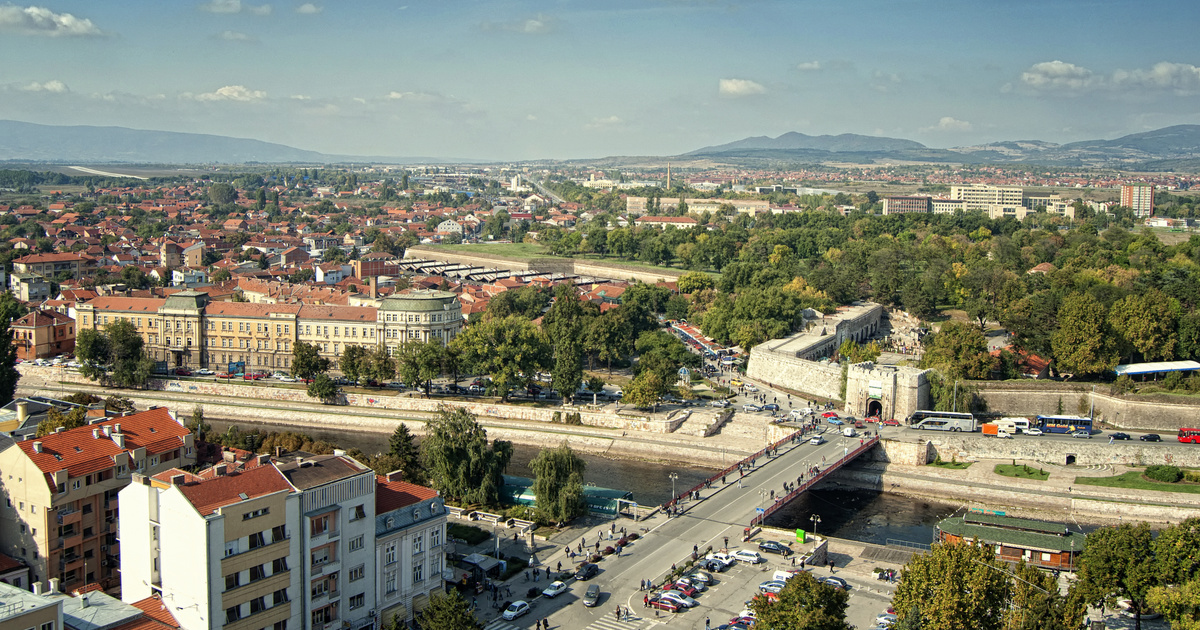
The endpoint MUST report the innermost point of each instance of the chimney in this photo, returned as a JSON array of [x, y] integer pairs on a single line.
[[396, 475], [119, 440], [371, 284], [95, 433], [264, 459], [37, 446], [299, 460], [83, 601], [177, 480], [60, 429], [37, 587], [53, 586], [22, 412], [219, 469], [117, 427], [108, 430], [339, 452]]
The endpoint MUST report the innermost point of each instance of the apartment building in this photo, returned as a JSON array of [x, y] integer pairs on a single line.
[[906, 205], [981, 196], [638, 205], [61, 489], [1139, 198], [21, 609], [219, 546], [410, 552], [188, 330], [42, 334], [183, 254], [336, 529], [29, 287], [52, 264]]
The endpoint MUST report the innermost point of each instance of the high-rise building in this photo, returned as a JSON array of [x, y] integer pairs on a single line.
[[61, 490], [410, 552], [983, 197], [1139, 198]]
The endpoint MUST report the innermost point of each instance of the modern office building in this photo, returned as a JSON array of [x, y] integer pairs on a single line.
[[981, 197], [1139, 198], [410, 551], [186, 329], [906, 205], [60, 491]]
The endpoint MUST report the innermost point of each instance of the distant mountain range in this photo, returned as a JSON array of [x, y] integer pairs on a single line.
[[1167, 148], [28, 142]]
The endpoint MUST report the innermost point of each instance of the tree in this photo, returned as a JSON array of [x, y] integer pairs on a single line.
[[960, 351], [609, 337], [953, 586], [558, 483], [307, 362], [1037, 603], [55, 419], [1178, 604], [324, 388], [447, 612], [510, 349], [804, 604], [458, 459], [117, 353], [595, 385], [645, 390], [1083, 342], [355, 363], [420, 362], [1118, 562], [8, 357], [403, 447], [1177, 549], [222, 193], [382, 365], [1146, 323], [694, 282], [564, 324]]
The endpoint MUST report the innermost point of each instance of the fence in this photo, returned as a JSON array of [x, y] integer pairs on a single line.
[[808, 483], [707, 482]]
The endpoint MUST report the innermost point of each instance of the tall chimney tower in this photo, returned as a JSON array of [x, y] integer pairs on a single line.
[[668, 176]]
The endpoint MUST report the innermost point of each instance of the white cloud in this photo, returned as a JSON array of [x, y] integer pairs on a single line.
[[237, 93], [235, 36], [415, 97], [949, 123], [1164, 75], [54, 85], [536, 25], [809, 66], [301, 97], [1060, 76], [309, 8], [33, 20], [607, 121], [234, 6], [740, 87]]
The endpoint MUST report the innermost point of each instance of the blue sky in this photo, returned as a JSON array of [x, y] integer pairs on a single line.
[[511, 80]]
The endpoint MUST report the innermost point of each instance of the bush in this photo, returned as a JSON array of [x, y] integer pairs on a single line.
[[515, 566], [1122, 385], [1191, 476], [1174, 380], [472, 535], [1167, 474]]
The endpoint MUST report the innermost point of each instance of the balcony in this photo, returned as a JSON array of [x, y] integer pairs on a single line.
[[71, 540], [70, 517]]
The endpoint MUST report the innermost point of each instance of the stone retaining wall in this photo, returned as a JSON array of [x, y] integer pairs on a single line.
[[781, 370], [1123, 412], [1094, 452], [592, 268]]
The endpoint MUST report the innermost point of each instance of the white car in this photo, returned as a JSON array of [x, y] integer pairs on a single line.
[[205, 372], [751, 388], [720, 404], [771, 586], [555, 589], [1033, 431], [699, 577], [516, 609], [679, 598], [1004, 435], [816, 439], [286, 378], [749, 556], [724, 558]]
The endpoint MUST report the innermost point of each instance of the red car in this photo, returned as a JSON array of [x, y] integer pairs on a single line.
[[656, 601], [890, 422], [224, 375], [182, 372], [829, 414], [252, 376], [683, 588], [872, 419]]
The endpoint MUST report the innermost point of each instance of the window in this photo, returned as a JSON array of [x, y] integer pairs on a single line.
[[279, 565], [257, 540], [87, 508], [435, 566], [320, 556], [280, 625], [320, 525], [279, 597], [319, 588], [359, 512], [232, 581], [356, 543], [77, 484], [418, 572], [417, 545], [390, 582], [435, 537], [278, 533], [389, 553], [357, 601], [255, 514], [1045, 557], [257, 573], [257, 605], [49, 625], [231, 548], [233, 613], [357, 573]]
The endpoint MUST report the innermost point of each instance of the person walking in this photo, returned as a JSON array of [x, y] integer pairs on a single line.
[[706, 624]]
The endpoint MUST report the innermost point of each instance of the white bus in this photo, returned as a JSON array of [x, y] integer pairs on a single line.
[[942, 421]]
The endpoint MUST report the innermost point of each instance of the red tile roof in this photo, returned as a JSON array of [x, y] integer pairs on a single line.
[[124, 304], [156, 610], [80, 453], [208, 495], [393, 495]]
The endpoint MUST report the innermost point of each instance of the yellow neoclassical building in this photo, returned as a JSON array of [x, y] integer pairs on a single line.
[[189, 331]]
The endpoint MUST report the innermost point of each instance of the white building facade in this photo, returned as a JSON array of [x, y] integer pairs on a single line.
[[410, 547]]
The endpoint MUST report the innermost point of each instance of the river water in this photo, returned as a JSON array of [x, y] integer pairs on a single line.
[[862, 515]]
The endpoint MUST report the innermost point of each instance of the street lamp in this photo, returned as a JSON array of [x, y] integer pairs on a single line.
[[815, 518], [673, 477]]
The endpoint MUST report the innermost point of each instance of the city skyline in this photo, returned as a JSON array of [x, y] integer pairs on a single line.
[[527, 80]]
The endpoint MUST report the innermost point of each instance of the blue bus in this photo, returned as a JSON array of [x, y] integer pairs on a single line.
[[1064, 424]]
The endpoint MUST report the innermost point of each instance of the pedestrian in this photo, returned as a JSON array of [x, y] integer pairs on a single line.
[[706, 626], [618, 613], [726, 542], [801, 564], [831, 566], [793, 560], [722, 479], [526, 575], [558, 567], [646, 601]]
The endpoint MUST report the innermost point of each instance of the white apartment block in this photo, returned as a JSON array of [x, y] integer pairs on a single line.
[[220, 548], [981, 197], [637, 205], [410, 547], [337, 540]]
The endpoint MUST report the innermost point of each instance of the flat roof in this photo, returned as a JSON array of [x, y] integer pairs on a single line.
[[1014, 535], [1156, 367]]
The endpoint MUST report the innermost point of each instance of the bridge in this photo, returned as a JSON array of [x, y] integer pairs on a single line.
[[792, 461]]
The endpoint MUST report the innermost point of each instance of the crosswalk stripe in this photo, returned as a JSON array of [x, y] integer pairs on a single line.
[[500, 624]]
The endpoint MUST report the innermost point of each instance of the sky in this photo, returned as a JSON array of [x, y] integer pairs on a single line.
[[561, 79]]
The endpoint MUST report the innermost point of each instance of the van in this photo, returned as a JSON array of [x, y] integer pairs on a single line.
[[849, 432], [783, 576]]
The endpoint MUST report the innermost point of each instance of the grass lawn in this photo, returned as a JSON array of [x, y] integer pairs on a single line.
[[508, 250], [951, 465], [1022, 472], [1134, 480]]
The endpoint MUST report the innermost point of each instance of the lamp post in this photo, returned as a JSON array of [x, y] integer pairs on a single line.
[[673, 477], [815, 518]]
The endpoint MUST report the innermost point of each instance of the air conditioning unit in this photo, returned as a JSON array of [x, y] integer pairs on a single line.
[[104, 548]]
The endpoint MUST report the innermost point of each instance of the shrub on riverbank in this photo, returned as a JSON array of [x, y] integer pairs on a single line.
[[1166, 474]]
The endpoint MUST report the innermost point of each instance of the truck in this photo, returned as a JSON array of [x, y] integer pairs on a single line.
[[1014, 425], [994, 429]]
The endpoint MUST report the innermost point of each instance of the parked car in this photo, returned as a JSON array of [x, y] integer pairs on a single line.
[[890, 422], [662, 603], [726, 560], [1151, 437], [224, 375], [720, 404], [679, 598], [701, 577], [691, 583], [685, 588], [751, 407], [772, 546], [516, 609], [555, 589], [1082, 433], [204, 372], [1033, 431], [1120, 436], [182, 372], [586, 571], [770, 407], [835, 582], [770, 586], [748, 556], [592, 596]]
